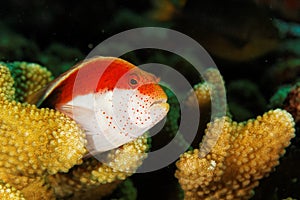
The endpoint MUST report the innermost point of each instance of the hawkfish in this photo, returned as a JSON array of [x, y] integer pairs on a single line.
[[112, 100]]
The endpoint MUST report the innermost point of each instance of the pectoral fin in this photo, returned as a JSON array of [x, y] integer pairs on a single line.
[[85, 117]]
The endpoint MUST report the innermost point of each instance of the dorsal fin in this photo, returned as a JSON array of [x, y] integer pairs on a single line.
[[38, 97], [86, 77]]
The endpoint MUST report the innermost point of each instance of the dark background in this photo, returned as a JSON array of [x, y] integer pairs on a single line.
[[250, 49]]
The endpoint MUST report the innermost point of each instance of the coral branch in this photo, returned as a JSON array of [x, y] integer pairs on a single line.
[[42, 150], [244, 153]]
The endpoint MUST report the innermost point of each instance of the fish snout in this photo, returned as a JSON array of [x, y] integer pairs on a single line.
[[157, 96]]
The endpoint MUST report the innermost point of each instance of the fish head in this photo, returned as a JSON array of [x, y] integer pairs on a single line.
[[139, 102]]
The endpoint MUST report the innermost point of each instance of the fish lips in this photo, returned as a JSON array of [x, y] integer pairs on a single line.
[[159, 109], [161, 103]]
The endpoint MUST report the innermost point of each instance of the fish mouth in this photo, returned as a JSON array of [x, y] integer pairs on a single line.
[[160, 104], [160, 101]]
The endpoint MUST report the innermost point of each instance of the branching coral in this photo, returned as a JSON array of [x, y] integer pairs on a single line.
[[244, 153], [34, 142], [211, 91], [93, 176], [210, 98], [38, 146], [42, 150]]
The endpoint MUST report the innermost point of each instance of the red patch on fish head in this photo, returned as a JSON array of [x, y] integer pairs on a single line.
[[153, 90], [132, 78], [113, 75]]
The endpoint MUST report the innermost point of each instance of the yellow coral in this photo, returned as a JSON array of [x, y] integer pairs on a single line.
[[202, 94], [28, 78], [243, 154], [39, 145], [34, 142], [210, 98], [37, 140], [211, 91], [38, 189], [7, 192], [94, 176], [7, 92]]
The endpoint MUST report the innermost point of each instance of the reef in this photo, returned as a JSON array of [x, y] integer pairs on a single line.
[[9, 192], [257, 53], [42, 150], [233, 157]]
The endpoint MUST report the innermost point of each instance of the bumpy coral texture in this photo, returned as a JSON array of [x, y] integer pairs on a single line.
[[243, 154], [10, 193], [34, 142], [39, 146], [210, 95], [209, 99], [28, 78], [95, 178], [202, 95]]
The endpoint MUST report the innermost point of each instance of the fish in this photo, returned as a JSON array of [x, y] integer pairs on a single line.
[[112, 100]]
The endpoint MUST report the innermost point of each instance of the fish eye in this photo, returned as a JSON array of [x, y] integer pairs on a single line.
[[133, 80]]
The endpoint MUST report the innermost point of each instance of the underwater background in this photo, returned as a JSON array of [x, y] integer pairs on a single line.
[[254, 43]]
